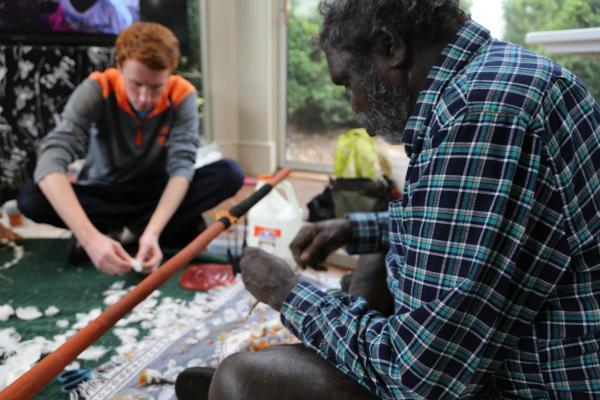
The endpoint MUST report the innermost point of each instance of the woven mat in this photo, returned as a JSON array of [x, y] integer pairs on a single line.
[[43, 278], [203, 338], [209, 325]]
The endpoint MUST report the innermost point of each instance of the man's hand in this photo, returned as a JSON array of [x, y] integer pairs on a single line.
[[267, 277], [149, 253], [107, 254], [315, 242]]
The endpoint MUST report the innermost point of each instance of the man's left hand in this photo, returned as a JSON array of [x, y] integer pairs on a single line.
[[267, 277]]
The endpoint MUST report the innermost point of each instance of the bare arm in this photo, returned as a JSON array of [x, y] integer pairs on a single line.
[[149, 251], [107, 254]]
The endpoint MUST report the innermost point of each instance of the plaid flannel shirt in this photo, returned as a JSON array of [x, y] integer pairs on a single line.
[[494, 259]]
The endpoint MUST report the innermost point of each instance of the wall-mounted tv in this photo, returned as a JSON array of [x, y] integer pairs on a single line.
[[85, 22]]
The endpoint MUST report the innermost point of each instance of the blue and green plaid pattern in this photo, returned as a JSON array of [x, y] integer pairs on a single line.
[[494, 259]]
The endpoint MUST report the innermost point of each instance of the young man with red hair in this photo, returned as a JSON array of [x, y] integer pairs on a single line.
[[136, 126]]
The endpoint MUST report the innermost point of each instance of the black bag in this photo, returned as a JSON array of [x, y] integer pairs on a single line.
[[346, 195]]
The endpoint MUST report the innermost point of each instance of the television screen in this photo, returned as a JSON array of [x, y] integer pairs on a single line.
[[85, 21], [81, 16]]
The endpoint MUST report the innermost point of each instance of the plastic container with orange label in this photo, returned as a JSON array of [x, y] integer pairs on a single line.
[[274, 221], [15, 218]]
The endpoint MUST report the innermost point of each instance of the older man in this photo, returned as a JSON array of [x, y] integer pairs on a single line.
[[494, 259]]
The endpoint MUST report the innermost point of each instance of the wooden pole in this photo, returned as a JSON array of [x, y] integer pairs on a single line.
[[32, 381]]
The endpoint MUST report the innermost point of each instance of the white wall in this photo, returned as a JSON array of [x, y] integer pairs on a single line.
[[570, 41], [242, 67]]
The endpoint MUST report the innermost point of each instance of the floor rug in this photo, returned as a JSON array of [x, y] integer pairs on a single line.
[[171, 330]]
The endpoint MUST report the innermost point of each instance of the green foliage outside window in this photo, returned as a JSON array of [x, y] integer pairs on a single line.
[[524, 16], [313, 100], [190, 66]]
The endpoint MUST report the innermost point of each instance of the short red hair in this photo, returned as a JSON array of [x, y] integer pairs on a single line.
[[150, 43]]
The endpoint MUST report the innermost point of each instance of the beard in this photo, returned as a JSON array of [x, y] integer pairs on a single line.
[[388, 108]]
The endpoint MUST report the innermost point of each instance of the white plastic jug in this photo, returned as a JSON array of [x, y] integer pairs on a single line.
[[274, 221]]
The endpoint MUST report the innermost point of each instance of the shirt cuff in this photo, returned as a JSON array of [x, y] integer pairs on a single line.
[[297, 306], [50, 161], [367, 232], [185, 172]]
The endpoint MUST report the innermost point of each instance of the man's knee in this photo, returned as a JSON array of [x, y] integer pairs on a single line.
[[232, 174], [232, 379], [31, 202], [369, 282], [282, 372], [225, 177]]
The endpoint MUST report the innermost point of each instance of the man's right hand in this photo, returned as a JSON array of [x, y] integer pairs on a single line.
[[107, 254], [315, 242]]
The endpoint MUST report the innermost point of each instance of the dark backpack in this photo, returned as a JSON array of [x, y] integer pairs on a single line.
[[344, 195]]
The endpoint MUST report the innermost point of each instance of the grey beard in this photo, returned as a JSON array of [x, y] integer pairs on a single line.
[[388, 109], [377, 124]]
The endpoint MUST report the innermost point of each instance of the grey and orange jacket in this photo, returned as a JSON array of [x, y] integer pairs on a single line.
[[99, 125]]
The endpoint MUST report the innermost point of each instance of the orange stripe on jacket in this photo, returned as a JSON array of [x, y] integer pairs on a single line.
[[176, 90], [111, 81]]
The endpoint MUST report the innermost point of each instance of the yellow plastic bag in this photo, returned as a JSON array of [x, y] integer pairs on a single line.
[[357, 156]]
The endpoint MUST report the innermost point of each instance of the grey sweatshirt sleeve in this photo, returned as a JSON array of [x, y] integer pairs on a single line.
[[69, 140], [184, 139]]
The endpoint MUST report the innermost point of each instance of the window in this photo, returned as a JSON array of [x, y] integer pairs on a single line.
[[190, 65], [317, 110]]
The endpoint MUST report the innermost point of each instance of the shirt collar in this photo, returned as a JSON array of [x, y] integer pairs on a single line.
[[457, 53]]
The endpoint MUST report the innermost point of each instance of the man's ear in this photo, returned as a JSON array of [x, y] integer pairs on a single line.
[[394, 48]]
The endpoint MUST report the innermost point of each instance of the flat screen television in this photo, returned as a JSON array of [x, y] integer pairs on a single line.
[[85, 22]]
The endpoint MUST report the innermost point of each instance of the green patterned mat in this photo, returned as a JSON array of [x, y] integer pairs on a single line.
[[43, 278]]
